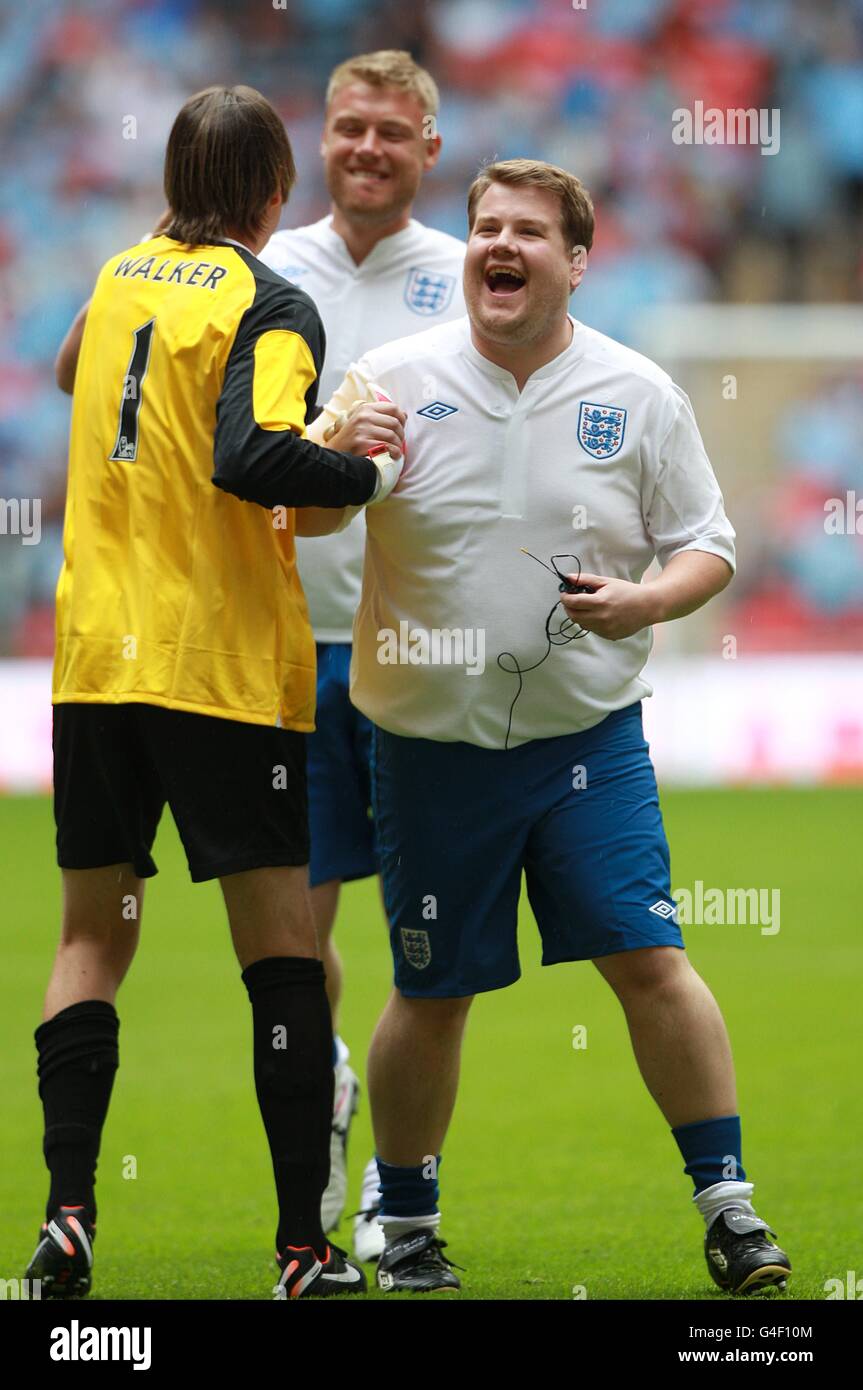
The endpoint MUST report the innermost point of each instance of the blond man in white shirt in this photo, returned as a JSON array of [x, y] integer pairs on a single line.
[[375, 273]]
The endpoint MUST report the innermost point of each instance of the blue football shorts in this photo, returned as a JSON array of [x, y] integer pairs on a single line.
[[340, 818], [458, 824]]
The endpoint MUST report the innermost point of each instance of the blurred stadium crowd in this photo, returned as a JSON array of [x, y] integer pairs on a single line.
[[88, 91]]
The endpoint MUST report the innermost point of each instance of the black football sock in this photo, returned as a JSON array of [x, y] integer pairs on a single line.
[[78, 1056], [293, 1042]]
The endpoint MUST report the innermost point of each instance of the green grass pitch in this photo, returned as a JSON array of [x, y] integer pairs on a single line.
[[559, 1172]]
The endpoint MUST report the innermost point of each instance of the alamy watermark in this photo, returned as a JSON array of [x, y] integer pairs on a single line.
[[850, 1287], [77, 1343], [20, 1289], [437, 646], [709, 907], [21, 516], [843, 516], [713, 126]]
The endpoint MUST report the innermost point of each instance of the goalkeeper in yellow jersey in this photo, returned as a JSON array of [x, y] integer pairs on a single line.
[[185, 663]]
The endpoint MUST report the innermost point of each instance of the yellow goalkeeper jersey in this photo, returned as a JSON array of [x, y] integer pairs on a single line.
[[197, 372]]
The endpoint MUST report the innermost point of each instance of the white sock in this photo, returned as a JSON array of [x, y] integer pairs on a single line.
[[370, 1194], [723, 1195], [342, 1051], [400, 1225]]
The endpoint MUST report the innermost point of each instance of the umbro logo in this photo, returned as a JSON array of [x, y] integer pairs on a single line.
[[437, 410], [663, 909]]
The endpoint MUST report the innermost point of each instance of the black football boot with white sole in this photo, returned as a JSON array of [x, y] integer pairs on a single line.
[[742, 1254], [415, 1263]]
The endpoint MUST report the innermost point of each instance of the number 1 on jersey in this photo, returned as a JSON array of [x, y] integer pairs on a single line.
[[126, 447]]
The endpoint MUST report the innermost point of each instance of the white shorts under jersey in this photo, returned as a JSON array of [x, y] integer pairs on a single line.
[[599, 457], [408, 282]]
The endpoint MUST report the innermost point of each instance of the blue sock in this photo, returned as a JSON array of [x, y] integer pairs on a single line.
[[408, 1191], [335, 1053], [712, 1151]]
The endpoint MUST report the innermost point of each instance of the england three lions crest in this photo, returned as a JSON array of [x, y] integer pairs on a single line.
[[600, 428], [427, 292], [417, 948]]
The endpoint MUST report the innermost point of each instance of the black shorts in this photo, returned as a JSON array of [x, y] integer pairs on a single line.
[[236, 791]]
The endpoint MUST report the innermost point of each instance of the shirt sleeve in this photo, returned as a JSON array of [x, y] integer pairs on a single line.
[[268, 392], [682, 505]]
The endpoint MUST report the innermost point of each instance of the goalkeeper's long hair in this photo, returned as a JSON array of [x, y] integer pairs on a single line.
[[228, 153]]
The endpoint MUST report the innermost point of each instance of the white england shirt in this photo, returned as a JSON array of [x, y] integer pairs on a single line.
[[408, 282], [599, 456]]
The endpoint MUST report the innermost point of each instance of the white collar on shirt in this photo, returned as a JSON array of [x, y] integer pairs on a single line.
[[562, 362]]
